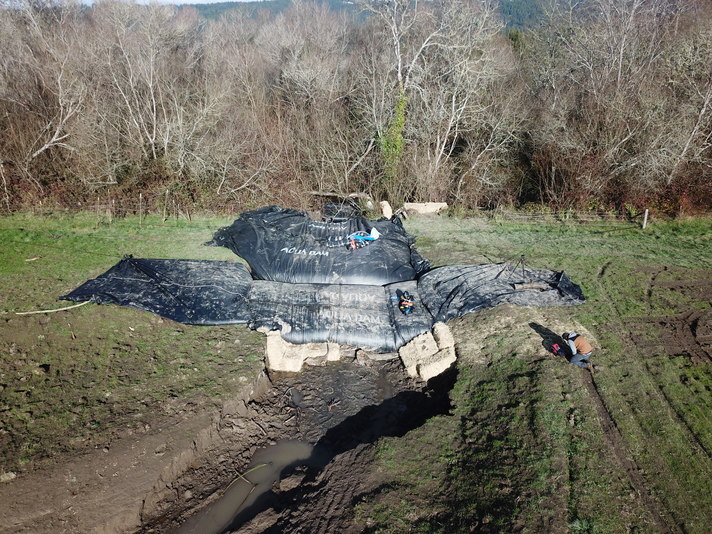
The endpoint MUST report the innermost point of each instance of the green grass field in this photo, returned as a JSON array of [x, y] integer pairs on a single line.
[[526, 447]]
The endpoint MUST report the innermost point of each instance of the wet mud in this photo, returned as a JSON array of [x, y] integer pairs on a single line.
[[682, 335], [243, 492], [335, 412]]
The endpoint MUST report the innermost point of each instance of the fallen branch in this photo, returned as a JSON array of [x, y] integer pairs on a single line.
[[52, 311]]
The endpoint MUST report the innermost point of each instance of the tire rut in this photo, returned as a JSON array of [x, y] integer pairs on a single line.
[[651, 287], [680, 333], [663, 522], [661, 516], [691, 435], [319, 497], [603, 269], [324, 503]]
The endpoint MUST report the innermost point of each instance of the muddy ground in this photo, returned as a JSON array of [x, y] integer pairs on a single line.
[[154, 481]]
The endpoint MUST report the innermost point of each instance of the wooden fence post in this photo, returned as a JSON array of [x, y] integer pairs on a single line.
[[140, 208], [4, 185], [165, 207], [645, 219]]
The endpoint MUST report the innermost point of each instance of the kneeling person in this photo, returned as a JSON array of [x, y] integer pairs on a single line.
[[581, 350]]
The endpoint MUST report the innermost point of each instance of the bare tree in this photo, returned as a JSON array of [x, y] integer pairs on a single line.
[[442, 62], [423, 100], [40, 83], [412, 28], [607, 119], [690, 78], [158, 102], [308, 49]]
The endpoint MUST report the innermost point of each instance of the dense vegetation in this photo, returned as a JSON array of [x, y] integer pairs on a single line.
[[602, 103], [514, 13]]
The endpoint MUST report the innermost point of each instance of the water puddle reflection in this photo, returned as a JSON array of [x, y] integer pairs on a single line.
[[264, 470]]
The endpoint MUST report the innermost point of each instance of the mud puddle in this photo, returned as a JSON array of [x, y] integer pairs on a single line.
[[264, 470], [298, 428]]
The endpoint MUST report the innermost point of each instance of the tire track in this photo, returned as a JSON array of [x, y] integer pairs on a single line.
[[661, 516], [603, 269], [322, 508], [681, 332], [662, 519], [651, 287], [692, 436]]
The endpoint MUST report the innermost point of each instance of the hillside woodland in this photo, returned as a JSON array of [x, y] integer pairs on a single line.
[[598, 104]]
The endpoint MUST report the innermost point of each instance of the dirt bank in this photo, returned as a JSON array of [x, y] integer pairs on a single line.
[[111, 489], [154, 481], [340, 408]]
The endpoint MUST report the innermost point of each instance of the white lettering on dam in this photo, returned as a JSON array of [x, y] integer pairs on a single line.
[[304, 252]]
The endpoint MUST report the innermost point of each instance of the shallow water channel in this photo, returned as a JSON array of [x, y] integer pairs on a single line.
[[309, 419], [264, 470]]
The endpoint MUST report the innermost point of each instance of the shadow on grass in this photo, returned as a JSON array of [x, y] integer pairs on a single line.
[[550, 338]]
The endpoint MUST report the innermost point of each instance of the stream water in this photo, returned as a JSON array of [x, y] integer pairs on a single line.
[[258, 478]]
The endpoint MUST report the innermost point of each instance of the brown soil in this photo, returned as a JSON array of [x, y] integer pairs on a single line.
[[323, 499], [111, 489], [688, 334], [154, 481]]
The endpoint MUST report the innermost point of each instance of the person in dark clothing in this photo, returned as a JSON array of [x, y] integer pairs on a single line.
[[405, 304], [581, 350]]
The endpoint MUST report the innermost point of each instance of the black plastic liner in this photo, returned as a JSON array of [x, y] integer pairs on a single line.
[[343, 211], [360, 314], [197, 292], [284, 245], [216, 293], [219, 293], [456, 290]]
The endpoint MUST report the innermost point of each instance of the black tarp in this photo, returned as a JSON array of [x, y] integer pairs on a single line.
[[198, 292], [216, 293], [219, 293], [456, 290], [284, 245], [360, 314]]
